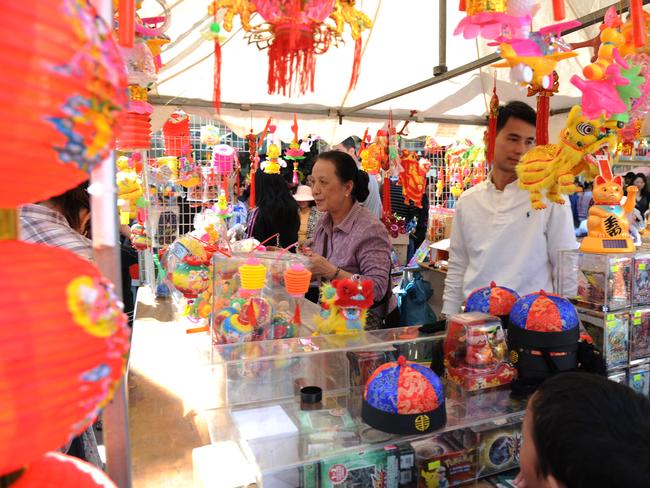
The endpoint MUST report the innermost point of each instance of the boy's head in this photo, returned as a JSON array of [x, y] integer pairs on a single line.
[[584, 431], [515, 135]]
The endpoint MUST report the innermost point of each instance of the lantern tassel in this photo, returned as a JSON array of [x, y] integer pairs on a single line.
[[297, 320], [492, 124], [462, 6], [558, 10], [638, 22], [356, 65], [386, 195], [216, 95], [253, 170], [292, 63], [543, 113], [126, 14]]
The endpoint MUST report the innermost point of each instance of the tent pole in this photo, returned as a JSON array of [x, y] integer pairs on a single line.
[[586, 21], [442, 39]]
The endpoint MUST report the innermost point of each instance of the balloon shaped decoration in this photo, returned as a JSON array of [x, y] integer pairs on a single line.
[[62, 91], [56, 470], [61, 305]]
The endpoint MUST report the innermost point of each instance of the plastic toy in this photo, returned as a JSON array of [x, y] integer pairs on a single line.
[[295, 152], [404, 398], [273, 162], [552, 168], [209, 135], [611, 41], [139, 238], [601, 97], [129, 190], [189, 173], [413, 177], [344, 306], [487, 19], [190, 277], [223, 158], [607, 225], [475, 352]]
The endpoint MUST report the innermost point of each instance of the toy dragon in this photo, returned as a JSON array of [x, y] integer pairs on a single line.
[[345, 305], [552, 168], [413, 178]]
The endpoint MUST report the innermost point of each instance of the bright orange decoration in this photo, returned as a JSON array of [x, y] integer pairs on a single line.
[[56, 470], [297, 279], [63, 349], [413, 178], [63, 88]]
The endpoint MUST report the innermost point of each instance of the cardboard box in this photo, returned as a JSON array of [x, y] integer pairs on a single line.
[[640, 334], [639, 379], [610, 333], [442, 462], [498, 449], [641, 286]]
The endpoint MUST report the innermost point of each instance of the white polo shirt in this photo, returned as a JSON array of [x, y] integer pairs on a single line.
[[497, 236]]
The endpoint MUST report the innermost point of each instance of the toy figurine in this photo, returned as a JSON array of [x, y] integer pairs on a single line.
[[607, 225], [345, 305], [552, 168], [273, 162], [413, 178]]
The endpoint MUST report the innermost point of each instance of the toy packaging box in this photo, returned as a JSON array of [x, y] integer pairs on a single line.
[[596, 281], [639, 379], [379, 468], [610, 333], [475, 352], [497, 448], [640, 335], [442, 462], [618, 377], [641, 288]]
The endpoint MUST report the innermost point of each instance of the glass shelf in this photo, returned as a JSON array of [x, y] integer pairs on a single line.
[[280, 436]]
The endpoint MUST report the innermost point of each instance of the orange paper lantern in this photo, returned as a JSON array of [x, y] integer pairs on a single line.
[[62, 89], [56, 470], [63, 349]]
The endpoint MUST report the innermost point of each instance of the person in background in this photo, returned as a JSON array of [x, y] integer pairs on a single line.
[[573, 199], [585, 201], [373, 201], [628, 180], [585, 431], [496, 235], [643, 195], [63, 221], [348, 241], [308, 214], [276, 212]]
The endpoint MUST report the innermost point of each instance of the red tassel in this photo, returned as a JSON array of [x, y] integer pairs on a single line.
[[356, 65], [492, 125], [216, 95], [638, 22], [558, 10], [462, 6], [386, 195], [126, 14], [543, 113], [297, 320], [251, 201], [292, 61]]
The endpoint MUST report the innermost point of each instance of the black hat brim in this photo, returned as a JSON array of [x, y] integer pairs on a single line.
[[404, 424]]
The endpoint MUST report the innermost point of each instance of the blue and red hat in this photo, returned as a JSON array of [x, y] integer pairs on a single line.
[[544, 312], [403, 397], [543, 338], [493, 299]]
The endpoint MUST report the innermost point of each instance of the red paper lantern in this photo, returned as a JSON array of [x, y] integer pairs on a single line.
[[56, 470], [177, 134], [61, 91], [63, 349]]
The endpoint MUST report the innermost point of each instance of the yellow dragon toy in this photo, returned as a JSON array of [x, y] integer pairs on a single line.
[[553, 167]]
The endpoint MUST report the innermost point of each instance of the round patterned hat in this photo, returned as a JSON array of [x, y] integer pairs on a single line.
[[493, 299], [404, 398], [544, 312]]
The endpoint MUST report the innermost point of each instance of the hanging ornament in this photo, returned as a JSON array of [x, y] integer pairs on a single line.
[[214, 34], [62, 99], [492, 124], [295, 153], [543, 108], [136, 123], [176, 132]]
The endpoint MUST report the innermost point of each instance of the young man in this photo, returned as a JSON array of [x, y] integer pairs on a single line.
[[584, 431], [496, 235], [373, 202]]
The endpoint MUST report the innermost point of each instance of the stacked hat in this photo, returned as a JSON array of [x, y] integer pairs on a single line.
[[403, 397], [543, 336], [493, 299]]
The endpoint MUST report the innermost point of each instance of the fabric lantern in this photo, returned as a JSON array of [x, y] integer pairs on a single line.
[[56, 470], [176, 132], [62, 91], [62, 349]]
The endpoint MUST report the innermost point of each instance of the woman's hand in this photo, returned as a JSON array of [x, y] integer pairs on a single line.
[[320, 266]]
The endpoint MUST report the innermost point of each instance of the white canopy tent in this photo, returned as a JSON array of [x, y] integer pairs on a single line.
[[401, 51]]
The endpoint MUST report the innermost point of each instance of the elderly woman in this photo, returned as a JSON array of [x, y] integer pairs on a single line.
[[349, 241]]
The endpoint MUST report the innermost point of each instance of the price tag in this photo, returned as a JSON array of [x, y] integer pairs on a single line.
[[637, 313], [642, 266], [611, 317], [433, 465], [637, 377], [614, 269], [637, 321], [611, 325]]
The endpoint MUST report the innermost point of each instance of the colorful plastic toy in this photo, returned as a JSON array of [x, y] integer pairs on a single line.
[[475, 352], [139, 238], [191, 277], [413, 178], [552, 168], [273, 162], [344, 306], [607, 225], [129, 190], [611, 41]]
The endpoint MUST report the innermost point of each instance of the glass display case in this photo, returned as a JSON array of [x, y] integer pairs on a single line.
[[256, 404]]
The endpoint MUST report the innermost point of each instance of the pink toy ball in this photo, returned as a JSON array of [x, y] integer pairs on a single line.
[[223, 159]]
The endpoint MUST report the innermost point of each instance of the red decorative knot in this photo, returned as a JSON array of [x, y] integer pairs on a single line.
[[542, 293], [401, 361], [493, 284]]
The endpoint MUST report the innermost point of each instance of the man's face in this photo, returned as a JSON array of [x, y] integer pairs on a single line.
[[512, 142]]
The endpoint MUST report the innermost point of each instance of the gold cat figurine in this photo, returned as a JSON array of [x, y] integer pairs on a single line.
[[607, 225]]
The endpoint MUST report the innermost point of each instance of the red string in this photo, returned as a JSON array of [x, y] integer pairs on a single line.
[[356, 65], [217, 76]]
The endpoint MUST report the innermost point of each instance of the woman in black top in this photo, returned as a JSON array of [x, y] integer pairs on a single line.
[[643, 195], [276, 212]]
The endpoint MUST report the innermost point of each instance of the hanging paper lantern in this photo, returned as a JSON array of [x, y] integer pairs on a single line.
[[62, 90], [176, 132], [62, 349], [56, 470], [223, 159], [136, 123]]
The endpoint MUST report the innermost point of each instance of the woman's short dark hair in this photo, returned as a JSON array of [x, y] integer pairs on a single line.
[[584, 426], [72, 202], [346, 170]]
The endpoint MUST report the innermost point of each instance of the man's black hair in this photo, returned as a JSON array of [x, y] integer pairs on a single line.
[[591, 432], [351, 142], [518, 110]]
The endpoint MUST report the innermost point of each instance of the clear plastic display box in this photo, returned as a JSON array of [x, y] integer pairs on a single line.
[[596, 281], [257, 401], [610, 332]]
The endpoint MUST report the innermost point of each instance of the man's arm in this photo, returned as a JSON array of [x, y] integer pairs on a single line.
[[560, 236], [458, 262]]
